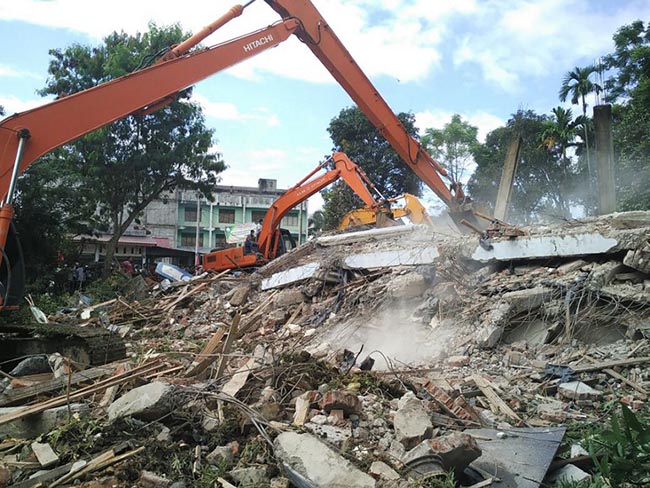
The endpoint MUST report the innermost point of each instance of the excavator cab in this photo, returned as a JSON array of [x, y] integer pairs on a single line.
[[282, 242]]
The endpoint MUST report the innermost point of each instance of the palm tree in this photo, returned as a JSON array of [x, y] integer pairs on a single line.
[[577, 84], [559, 134]]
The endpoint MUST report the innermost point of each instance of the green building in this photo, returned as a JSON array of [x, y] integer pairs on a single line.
[[174, 216]]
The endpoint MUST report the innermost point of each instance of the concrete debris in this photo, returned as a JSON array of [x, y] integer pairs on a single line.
[[148, 402], [577, 390], [411, 421], [360, 359], [317, 463], [569, 474]]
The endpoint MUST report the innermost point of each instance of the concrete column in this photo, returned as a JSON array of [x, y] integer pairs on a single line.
[[507, 177], [605, 159]]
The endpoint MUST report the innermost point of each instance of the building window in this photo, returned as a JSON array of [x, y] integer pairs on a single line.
[[291, 220], [226, 215], [258, 215], [189, 240], [220, 241], [190, 214]]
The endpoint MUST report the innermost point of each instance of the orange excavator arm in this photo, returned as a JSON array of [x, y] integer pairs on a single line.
[[269, 237], [317, 35], [344, 169], [26, 136]]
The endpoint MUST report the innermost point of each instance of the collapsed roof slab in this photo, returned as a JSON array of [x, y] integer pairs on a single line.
[[397, 257], [534, 247], [291, 275], [605, 234]]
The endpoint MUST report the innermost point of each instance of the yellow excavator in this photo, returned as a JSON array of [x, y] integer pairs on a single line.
[[412, 208]]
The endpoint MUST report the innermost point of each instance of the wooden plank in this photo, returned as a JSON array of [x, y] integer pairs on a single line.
[[610, 364], [183, 296], [19, 395], [620, 377], [495, 400], [206, 356], [232, 333], [84, 392]]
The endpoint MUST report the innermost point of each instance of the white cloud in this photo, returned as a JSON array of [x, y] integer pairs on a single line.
[[9, 72], [229, 111], [288, 167], [512, 40], [404, 45], [436, 119], [14, 105]]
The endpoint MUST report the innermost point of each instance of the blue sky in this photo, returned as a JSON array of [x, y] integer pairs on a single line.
[[481, 59]]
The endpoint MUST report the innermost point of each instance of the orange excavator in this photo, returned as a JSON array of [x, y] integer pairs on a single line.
[[274, 241], [26, 136]]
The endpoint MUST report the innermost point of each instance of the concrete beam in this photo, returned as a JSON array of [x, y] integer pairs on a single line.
[[290, 276], [544, 246], [397, 257]]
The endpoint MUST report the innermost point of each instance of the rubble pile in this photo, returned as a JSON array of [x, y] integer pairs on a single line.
[[377, 358]]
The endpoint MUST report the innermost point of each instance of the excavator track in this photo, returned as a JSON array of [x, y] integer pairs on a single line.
[[86, 346]]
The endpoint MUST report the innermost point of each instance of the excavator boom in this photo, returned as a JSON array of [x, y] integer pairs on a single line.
[[269, 240], [64, 120], [317, 35]]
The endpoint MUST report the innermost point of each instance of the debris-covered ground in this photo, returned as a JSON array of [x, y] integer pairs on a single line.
[[394, 357]]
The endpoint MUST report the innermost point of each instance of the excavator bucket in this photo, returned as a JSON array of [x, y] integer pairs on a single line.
[[12, 271], [384, 220]]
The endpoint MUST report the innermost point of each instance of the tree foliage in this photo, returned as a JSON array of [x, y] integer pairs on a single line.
[[630, 85], [544, 184], [125, 165], [352, 133], [452, 146]]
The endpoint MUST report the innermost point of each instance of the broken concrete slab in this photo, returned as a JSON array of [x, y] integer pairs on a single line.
[[520, 458], [577, 390], [638, 259], [545, 246], [240, 295], [569, 474], [40, 423], [365, 235], [148, 402], [292, 275], [318, 463], [408, 285], [382, 471], [251, 476], [45, 454], [289, 297], [527, 299], [411, 421], [398, 257]]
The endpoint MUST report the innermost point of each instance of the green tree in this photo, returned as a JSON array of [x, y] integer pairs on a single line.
[[122, 167], [452, 146], [577, 84], [630, 85], [543, 185], [316, 222], [352, 133]]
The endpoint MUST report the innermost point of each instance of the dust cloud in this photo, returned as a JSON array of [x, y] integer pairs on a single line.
[[392, 336]]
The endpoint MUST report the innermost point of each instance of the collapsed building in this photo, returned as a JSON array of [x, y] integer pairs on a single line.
[[383, 357]]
